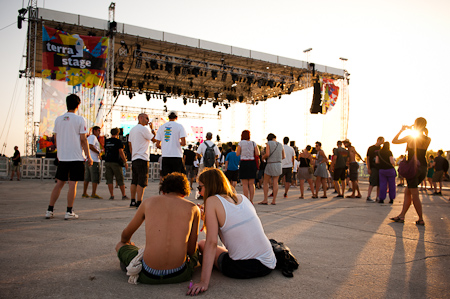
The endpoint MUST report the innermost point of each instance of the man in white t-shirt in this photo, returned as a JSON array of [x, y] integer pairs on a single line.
[[170, 138], [70, 139], [92, 173], [286, 164], [139, 142], [202, 149]]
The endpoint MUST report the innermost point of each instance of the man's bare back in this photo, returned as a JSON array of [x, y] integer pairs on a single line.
[[171, 230]]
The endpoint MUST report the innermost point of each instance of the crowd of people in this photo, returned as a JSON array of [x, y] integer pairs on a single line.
[[172, 249]]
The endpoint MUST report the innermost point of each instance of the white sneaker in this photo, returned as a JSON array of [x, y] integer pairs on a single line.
[[70, 216], [48, 214]]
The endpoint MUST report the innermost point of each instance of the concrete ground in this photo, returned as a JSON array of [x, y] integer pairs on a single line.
[[347, 248]]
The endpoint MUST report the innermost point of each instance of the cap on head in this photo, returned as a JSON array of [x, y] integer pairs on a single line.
[[173, 114]]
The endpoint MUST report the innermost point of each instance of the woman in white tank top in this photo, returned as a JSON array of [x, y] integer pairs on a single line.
[[247, 252]]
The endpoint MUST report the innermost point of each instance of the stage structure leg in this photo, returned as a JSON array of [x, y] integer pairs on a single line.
[[30, 74], [108, 98]]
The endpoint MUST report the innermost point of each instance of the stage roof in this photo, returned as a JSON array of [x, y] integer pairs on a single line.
[[157, 62]]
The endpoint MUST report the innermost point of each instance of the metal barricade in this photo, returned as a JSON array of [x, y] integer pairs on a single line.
[[4, 167], [31, 168], [48, 168]]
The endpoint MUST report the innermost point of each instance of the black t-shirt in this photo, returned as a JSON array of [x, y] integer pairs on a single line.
[[190, 157], [439, 163], [112, 147], [372, 152], [17, 161], [384, 158]]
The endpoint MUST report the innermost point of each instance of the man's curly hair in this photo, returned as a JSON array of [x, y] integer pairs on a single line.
[[175, 182]]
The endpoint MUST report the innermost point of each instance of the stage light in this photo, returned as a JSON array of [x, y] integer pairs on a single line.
[[214, 104], [196, 94], [241, 99], [153, 64], [184, 101], [169, 67], [206, 94], [165, 108], [291, 88], [147, 65], [147, 96], [190, 83], [250, 80], [214, 75], [114, 93], [195, 71], [141, 85], [161, 87], [165, 99], [271, 83], [179, 91], [121, 65], [130, 95], [138, 46], [168, 89], [200, 102], [234, 77], [279, 96], [216, 95], [177, 70], [226, 106], [129, 83], [224, 77]]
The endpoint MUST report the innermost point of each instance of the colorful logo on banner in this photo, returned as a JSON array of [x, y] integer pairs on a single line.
[[75, 59], [330, 95]]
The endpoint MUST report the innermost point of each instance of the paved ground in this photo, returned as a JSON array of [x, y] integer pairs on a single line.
[[347, 248]]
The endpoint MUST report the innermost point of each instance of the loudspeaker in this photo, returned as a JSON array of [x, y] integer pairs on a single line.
[[316, 106]]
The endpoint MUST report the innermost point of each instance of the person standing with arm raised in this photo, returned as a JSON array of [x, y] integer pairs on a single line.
[[416, 147]]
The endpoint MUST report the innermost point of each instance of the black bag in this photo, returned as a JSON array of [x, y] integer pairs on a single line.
[[286, 261], [210, 156]]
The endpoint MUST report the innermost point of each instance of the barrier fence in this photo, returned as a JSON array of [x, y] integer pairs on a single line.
[[44, 168]]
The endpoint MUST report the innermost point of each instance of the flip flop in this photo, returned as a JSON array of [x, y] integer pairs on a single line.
[[398, 219], [358, 196], [273, 204], [323, 197], [420, 222], [263, 203]]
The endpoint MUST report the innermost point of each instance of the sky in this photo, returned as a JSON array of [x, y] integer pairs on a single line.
[[398, 55]]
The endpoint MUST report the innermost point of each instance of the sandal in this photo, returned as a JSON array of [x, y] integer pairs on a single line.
[[323, 196], [398, 219], [263, 203], [301, 197], [315, 196], [420, 222]]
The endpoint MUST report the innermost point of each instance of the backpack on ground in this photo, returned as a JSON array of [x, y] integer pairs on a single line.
[[286, 261], [210, 156]]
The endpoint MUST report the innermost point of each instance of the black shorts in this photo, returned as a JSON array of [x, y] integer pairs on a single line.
[[418, 178], [241, 269], [190, 171], [139, 172], [232, 175], [70, 171], [287, 172], [339, 173], [172, 164]]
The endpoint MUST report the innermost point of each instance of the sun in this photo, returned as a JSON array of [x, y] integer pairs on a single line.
[[415, 133]]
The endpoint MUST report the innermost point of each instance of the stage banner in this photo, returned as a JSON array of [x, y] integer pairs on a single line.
[[330, 95], [76, 59]]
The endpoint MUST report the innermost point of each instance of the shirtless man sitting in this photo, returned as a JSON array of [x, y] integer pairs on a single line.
[[353, 167], [171, 231]]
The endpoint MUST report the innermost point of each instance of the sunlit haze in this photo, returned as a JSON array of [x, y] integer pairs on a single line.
[[397, 56]]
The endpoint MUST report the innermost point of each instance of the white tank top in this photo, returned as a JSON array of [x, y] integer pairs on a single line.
[[243, 234]]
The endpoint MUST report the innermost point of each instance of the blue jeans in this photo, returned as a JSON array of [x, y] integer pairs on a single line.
[[387, 176]]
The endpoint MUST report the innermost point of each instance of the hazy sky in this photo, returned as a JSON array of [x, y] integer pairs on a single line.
[[397, 50]]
